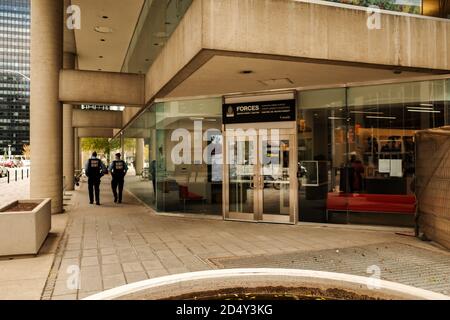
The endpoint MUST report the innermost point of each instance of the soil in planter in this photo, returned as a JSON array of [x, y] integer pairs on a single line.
[[274, 293], [22, 207]]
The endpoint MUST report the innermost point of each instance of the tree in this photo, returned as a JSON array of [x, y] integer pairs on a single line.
[[104, 145], [26, 151], [100, 145]]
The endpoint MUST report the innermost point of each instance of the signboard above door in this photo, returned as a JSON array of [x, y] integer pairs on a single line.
[[260, 111]]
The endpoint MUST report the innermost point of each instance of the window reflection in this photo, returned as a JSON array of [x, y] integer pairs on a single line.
[[357, 150]]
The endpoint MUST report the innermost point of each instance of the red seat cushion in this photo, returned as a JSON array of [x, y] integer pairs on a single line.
[[404, 204], [185, 194]]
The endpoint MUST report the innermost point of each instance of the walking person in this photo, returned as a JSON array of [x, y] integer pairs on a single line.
[[95, 169], [118, 169]]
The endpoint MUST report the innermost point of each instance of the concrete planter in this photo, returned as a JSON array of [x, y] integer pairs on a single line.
[[24, 232], [253, 280]]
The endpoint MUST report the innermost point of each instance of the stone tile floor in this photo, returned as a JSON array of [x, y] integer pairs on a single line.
[[15, 189], [118, 244]]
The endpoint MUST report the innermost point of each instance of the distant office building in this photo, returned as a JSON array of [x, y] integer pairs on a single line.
[[14, 75]]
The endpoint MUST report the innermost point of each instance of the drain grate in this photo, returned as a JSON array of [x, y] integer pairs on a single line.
[[398, 262]]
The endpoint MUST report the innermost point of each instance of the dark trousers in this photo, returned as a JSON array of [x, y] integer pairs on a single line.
[[117, 183], [94, 187]]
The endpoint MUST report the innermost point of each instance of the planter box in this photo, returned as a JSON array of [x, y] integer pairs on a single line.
[[24, 232]]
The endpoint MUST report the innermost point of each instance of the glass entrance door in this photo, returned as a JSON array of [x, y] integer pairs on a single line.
[[260, 174]]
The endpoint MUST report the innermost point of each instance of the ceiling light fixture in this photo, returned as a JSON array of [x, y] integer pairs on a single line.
[[161, 34], [422, 108], [366, 112], [100, 29], [385, 118], [423, 111]]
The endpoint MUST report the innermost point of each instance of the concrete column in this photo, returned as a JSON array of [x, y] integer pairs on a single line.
[[45, 108], [122, 147], [139, 156], [76, 151], [68, 139]]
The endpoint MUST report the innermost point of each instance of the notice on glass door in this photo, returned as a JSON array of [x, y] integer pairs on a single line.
[[384, 166], [396, 168]]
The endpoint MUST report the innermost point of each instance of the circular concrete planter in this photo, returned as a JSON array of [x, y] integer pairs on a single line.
[[179, 285]]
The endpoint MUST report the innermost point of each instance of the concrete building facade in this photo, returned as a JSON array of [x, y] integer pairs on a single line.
[[266, 111]]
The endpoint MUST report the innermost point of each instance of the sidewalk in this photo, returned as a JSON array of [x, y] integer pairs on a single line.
[[113, 245], [118, 244], [19, 189]]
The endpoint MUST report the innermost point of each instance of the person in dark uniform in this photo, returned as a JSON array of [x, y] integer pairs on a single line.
[[95, 169], [118, 169], [153, 174]]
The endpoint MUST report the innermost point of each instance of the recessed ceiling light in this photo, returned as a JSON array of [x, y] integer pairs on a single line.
[[103, 29], [161, 34]]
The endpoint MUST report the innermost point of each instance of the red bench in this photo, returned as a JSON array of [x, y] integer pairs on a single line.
[[383, 203]]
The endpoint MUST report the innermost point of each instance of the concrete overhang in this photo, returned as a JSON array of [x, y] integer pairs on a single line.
[[96, 119], [86, 87], [95, 133], [137, 133], [296, 43], [284, 43]]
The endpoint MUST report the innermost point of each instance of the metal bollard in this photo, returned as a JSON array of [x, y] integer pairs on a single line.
[[22, 174], [15, 174], [8, 175], [28, 173]]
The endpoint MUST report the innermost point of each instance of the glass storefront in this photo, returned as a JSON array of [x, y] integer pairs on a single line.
[[407, 6], [356, 150], [432, 8], [181, 176], [354, 156]]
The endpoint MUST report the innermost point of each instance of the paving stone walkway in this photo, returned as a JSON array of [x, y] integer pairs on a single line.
[[14, 190], [118, 244]]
